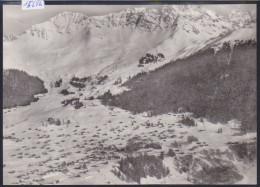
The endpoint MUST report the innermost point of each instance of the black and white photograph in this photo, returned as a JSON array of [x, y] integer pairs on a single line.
[[130, 94]]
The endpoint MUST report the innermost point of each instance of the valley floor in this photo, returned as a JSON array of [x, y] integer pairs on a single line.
[[86, 148]]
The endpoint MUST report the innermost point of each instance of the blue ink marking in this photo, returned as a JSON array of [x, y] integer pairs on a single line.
[[33, 3]]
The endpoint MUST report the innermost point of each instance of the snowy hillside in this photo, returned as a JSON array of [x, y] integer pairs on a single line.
[[106, 75], [114, 43]]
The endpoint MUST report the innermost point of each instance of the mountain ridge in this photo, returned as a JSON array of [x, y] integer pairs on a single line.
[[112, 44], [128, 17]]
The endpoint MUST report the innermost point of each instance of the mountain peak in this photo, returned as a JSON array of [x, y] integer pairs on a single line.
[[240, 18], [193, 17], [137, 9], [68, 15]]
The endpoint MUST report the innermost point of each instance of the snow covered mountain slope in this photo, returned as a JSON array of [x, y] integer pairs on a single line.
[[69, 137], [243, 34], [73, 43], [9, 38]]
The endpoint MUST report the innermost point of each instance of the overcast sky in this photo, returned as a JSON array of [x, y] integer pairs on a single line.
[[15, 21]]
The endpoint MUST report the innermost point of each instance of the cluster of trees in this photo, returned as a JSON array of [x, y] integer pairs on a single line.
[[107, 97], [70, 101], [83, 79], [245, 151], [19, 88], [150, 58], [219, 86], [210, 169], [75, 102], [141, 166], [187, 121], [54, 121], [79, 82], [222, 174], [101, 79], [137, 145]]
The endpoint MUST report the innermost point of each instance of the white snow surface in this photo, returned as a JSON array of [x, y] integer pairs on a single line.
[[75, 44]]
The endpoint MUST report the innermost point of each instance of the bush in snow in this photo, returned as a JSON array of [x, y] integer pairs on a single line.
[[171, 153], [90, 98], [187, 121], [78, 105], [192, 138], [77, 84], [153, 145], [66, 92], [58, 83]]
